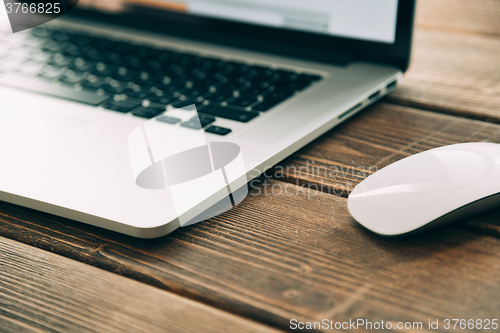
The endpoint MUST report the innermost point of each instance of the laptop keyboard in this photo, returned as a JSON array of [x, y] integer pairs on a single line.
[[143, 80]]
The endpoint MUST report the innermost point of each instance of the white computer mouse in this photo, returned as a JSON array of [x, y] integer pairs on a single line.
[[429, 189]]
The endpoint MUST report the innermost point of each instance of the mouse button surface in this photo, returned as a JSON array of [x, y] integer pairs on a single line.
[[394, 214], [463, 166], [434, 170]]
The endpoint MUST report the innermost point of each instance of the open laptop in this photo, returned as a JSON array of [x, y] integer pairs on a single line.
[[267, 77]]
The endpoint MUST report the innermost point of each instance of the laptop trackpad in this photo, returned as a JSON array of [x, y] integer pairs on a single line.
[[24, 129]]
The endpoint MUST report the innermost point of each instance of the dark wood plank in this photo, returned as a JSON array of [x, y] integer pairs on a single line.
[[453, 73], [479, 16], [373, 139], [45, 292], [271, 261]]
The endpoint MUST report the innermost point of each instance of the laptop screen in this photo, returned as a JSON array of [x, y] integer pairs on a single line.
[[368, 20]]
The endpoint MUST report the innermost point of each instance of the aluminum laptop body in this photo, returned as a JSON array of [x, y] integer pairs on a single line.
[[80, 161]]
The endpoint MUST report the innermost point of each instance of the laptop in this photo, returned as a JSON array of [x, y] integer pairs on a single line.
[[234, 85]]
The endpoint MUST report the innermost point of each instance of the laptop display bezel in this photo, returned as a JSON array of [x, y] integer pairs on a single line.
[[298, 44]]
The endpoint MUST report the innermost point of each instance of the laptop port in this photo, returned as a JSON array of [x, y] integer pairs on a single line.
[[350, 110], [392, 85], [373, 96]]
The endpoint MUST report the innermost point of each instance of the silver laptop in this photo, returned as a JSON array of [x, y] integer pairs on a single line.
[[141, 116]]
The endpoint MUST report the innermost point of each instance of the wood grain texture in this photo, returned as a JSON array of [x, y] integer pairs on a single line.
[[453, 73], [479, 16], [270, 261], [45, 292], [373, 139]]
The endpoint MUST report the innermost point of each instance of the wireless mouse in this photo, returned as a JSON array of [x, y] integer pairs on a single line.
[[429, 189]]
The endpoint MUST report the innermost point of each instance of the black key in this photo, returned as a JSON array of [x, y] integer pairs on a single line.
[[125, 74], [218, 96], [103, 69], [94, 82], [227, 84], [148, 112], [50, 89], [170, 85], [242, 101], [92, 54], [229, 113], [183, 103], [60, 59], [135, 62], [266, 105], [72, 50], [114, 87], [205, 119], [278, 94], [168, 120], [193, 92], [218, 130], [295, 85], [72, 76], [52, 46], [199, 122], [285, 75], [61, 35], [161, 98], [254, 89], [141, 94], [113, 58], [82, 64], [310, 77], [147, 79], [194, 124], [121, 106]]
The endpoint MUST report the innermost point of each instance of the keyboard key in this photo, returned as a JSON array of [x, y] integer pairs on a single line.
[[60, 59], [94, 82], [71, 76], [205, 119], [161, 98], [183, 103], [242, 101], [82, 64], [125, 74], [194, 124], [266, 104], [168, 120], [278, 94], [193, 92], [218, 96], [199, 122], [103, 69], [218, 130], [229, 113], [147, 79], [47, 88], [113, 88], [141, 94], [310, 77], [121, 106], [148, 112]]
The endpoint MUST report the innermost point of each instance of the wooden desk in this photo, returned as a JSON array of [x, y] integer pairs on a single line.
[[294, 254]]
